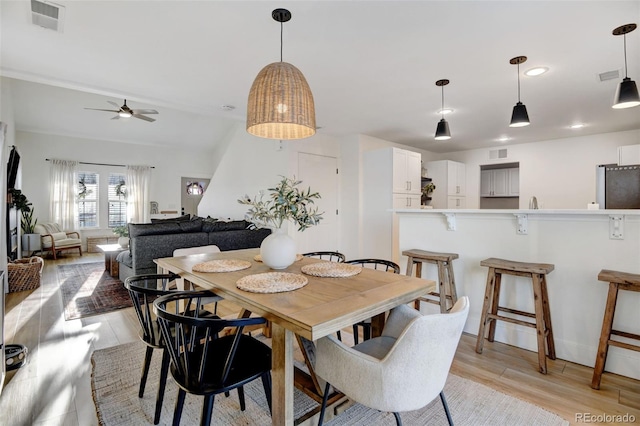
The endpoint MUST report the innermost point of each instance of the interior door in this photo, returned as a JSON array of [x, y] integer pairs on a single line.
[[319, 172]]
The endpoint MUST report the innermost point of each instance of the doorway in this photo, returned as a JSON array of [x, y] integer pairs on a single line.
[[320, 173], [191, 192]]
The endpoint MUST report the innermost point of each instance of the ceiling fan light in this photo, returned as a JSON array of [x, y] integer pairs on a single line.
[[124, 114], [626, 94], [442, 131], [519, 117]]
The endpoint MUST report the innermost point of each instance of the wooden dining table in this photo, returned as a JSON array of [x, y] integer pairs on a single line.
[[322, 307]]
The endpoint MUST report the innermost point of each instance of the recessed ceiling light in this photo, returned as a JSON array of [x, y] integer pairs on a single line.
[[536, 71], [445, 111], [577, 126], [503, 139]]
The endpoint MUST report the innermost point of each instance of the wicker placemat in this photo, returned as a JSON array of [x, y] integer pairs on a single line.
[[258, 258], [331, 269], [271, 282], [221, 265]]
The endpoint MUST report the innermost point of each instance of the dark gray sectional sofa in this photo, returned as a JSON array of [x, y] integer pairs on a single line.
[[148, 241]]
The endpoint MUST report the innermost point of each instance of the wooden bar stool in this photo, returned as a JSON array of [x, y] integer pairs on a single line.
[[538, 274], [447, 283], [617, 281]]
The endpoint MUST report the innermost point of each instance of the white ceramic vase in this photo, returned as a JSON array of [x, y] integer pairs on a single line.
[[123, 242], [278, 250]]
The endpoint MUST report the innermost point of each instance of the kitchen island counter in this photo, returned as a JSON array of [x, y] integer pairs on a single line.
[[579, 243]]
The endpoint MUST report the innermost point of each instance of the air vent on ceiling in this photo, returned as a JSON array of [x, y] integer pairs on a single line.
[[497, 153], [47, 15], [609, 75]]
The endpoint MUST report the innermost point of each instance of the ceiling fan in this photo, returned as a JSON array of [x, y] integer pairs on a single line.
[[125, 112]]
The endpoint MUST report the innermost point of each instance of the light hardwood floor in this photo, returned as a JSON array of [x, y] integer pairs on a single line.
[[54, 387]]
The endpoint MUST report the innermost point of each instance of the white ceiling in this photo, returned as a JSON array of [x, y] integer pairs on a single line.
[[372, 67]]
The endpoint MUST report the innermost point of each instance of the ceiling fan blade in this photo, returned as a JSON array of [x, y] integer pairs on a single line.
[[114, 104], [145, 111], [98, 109], [117, 117], [142, 117]]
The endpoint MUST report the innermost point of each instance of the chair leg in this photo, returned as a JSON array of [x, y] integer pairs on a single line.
[[339, 335], [207, 409], [177, 413], [325, 398], [164, 371], [241, 398], [145, 370], [398, 420], [446, 408], [266, 384], [366, 331], [355, 334]]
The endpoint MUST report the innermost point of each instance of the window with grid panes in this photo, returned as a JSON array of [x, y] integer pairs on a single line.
[[117, 200], [87, 199]]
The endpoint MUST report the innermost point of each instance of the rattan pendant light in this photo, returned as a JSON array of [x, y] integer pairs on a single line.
[[280, 102], [519, 117], [627, 92], [442, 131]]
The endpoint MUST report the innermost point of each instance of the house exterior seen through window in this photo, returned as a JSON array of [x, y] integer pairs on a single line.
[[87, 199], [117, 200]]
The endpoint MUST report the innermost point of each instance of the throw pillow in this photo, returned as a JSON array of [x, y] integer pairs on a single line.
[[182, 218]]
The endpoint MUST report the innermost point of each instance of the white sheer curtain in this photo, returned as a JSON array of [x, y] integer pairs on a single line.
[[62, 196], [138, 182]]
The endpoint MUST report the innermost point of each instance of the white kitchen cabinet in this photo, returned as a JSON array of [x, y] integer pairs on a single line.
[[391, 180], [514, 182], [406, 201], [456, 203], [449, 177], [494, 183], [407, 166]]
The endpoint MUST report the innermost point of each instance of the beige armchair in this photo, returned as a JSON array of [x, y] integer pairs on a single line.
[[402, 370], [54, 239]]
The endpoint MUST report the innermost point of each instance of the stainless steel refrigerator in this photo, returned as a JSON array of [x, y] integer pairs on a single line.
[[618, 187]]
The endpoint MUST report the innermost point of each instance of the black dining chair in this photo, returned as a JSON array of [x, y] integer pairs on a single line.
[[332, 256], [204, 364], [143, 290], [379, 264]]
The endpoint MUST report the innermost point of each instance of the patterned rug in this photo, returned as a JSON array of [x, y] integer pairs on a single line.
[[115, 378], [87, 289]]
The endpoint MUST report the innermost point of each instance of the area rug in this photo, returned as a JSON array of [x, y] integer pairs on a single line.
[[115, 379], [87, 289]]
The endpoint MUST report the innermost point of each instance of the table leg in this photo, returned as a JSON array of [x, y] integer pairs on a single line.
[[107, 262], [282, 375], [377, 325]]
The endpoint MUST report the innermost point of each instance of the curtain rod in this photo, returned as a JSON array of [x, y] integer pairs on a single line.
[[101, 164]]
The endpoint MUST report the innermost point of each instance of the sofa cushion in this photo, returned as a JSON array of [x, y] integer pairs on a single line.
[[239, 239], [62, 243], [59, 236], [163, 228], [218, 226], [125, 258], [185, 217]]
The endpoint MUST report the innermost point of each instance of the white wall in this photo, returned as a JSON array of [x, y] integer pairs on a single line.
[[561, 173], [6, 116], [170, 165]]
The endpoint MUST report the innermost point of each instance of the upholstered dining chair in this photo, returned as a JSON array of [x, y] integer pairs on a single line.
[[143, 289], [404, 369], [203, 361], [380, 264], [332, 256]]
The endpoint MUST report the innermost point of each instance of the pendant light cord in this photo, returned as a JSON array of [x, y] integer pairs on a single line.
[[442, 108], [625, 55], [281, 42], [518, 81]]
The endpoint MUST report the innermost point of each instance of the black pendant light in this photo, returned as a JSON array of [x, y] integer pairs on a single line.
[[627, 92], [442, 131], [519, 117]]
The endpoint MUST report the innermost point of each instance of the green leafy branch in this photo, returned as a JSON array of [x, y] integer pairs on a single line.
[[285, 202]]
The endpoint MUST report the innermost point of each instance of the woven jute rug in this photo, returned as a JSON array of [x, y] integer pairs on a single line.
[[116, 376], [87, 289]]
